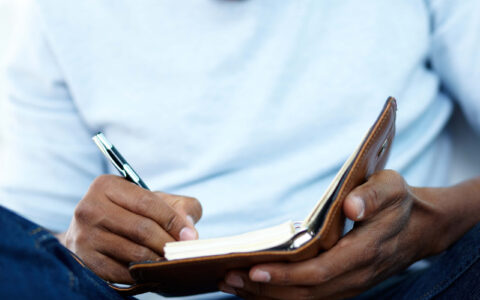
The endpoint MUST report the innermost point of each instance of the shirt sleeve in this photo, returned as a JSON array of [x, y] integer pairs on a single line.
[[48, 158], [455, 52]]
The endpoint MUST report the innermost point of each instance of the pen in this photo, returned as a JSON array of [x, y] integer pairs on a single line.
[[114, 156]]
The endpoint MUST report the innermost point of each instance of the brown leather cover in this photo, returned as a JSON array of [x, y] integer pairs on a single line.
[[202, 274]]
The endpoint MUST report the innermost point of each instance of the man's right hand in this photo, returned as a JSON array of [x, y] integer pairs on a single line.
[[118, 222]]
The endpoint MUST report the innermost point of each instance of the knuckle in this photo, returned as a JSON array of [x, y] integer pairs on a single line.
[[189, 205], [322, 274], [145, 203], [396, 181], [192, 200], [173, 200], [140, 254], [102, 182], [84, 212], [77, 240], [284, 277], [142, 231], [171, 222]]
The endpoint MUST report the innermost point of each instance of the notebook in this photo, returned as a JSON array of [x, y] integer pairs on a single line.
[[194, 267]]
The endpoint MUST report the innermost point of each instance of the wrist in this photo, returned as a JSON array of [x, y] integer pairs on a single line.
[[451, 212], [429, 221]]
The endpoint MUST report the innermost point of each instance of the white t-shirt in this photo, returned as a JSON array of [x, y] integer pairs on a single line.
[[250, 106]]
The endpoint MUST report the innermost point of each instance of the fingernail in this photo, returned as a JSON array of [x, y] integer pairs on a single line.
[[187, 234], [359, 206], [261, 276], [234, 280], [226, 289], [190, 220]]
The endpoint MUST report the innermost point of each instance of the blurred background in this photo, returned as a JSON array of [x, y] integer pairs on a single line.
[[8, 10], [466, 155], [7, 14]]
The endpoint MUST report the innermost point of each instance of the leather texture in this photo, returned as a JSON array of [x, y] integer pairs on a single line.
[[202, 274]]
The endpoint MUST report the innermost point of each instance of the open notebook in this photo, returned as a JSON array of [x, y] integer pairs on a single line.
[[287, 235], [193, 267]]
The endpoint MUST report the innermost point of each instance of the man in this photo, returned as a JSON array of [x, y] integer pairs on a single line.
[[251, 107]]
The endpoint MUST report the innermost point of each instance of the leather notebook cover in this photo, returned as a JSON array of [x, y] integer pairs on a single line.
[[202, 274]]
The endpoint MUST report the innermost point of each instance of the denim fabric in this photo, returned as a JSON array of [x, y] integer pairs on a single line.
[[34, 265], [454, 274]]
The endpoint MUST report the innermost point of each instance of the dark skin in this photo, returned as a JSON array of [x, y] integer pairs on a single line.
[[118, 222], [396, 225]]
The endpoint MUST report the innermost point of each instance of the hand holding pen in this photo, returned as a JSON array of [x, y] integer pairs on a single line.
[[117, 160], [120, 221]]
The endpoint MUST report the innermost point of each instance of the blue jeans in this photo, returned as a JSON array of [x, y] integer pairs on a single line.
[[34, 265], [454, 274]]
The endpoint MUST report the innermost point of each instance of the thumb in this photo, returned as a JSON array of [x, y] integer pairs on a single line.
[[381, 189]]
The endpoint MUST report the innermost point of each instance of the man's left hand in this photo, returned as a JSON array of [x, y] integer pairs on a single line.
[[395, 226]]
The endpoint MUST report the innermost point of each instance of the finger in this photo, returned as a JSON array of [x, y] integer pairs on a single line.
[[140, 230], [353, 251], [244, 294], [187, 206], [242, 285], [346, 285], [108, 268], [147, 204], [382, 189], [121, 249]]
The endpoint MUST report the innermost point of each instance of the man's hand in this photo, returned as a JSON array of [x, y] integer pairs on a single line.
[[395, 226], [118, 222]]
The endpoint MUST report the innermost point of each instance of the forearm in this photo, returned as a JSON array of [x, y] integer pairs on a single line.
[[457, 209]]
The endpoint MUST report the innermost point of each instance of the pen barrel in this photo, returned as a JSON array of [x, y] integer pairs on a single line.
[[120, 163], [128, 172]]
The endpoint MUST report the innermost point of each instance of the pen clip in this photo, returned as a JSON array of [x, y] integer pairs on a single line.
[[106, 147]]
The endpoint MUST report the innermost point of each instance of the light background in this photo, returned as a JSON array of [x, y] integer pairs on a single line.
[[465, 163], [466, 158], [8, 10]]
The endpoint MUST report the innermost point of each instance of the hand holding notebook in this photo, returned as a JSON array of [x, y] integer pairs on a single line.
[[199, 266]]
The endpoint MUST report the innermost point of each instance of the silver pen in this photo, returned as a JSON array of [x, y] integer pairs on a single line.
[[114, 156]]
